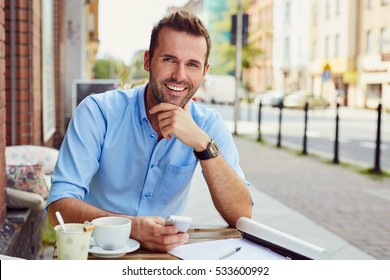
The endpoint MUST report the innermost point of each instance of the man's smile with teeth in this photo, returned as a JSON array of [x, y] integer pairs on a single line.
[[175, 88]]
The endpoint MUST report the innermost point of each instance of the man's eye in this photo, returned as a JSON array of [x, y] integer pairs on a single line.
[[168, 59], [193, 65]]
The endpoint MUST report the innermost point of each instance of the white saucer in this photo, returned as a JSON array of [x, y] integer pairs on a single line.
[[99, 252]]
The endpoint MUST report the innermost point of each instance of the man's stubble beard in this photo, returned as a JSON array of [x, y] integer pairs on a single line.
[[161, 97]]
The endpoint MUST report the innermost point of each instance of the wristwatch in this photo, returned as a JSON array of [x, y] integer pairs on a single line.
[[211, 151]]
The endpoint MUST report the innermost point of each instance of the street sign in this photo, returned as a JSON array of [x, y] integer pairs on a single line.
[[326, 75], [326, 72], [350, 77]]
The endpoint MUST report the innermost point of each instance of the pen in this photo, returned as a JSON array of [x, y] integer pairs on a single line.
[[229, 253]]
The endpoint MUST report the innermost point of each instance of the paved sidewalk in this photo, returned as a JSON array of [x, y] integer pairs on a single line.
[[333, 207]]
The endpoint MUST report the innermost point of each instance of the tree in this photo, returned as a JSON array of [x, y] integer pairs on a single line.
[[222, 57], [137, 70], [108, 68]]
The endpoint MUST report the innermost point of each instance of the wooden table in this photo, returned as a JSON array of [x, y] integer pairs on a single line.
[[197, 234]]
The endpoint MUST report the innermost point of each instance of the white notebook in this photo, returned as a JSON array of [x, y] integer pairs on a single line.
[[258, 242]]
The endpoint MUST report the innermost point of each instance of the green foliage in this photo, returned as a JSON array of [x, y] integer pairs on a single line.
[[222, 59], [108, 68], [137, 66], [48, 234], [375, 175], [124, 77], [222, 56], [128, 76]]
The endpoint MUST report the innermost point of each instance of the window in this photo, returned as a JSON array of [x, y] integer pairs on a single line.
[[374, 91], [327, 9], [337, 46], [327, 47], [337, 7], [384, 43], [314, 50], [91, 23], [299, 47], [288, 10], [369, 42], [287, 48], [373, 95], [315, 13]]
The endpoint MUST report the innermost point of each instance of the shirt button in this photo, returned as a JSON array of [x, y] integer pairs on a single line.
[[147, 194], [153, 135], [152, 166]]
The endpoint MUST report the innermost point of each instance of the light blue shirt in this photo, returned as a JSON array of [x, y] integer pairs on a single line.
[[111, 156]]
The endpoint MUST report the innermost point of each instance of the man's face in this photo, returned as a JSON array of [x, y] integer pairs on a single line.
[[177, 67]]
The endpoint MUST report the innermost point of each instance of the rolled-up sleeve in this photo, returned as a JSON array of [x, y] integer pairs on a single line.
[[79, 154]]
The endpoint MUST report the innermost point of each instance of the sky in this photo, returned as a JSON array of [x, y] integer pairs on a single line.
[[125, 25]]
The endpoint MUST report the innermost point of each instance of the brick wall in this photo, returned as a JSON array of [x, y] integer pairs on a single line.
[[35, 133], [21, 103], [59, 73], [2, 112], [21, 78], [27, 90]]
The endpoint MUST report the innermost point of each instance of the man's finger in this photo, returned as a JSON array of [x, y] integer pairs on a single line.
[[162, 107]]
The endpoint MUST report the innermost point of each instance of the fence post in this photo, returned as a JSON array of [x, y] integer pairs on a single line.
[[336, 140], [304, 150], [259, 122], [279, 144], [377, 164]]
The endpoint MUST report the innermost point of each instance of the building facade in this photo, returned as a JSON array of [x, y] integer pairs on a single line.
[[290, 45], [374, 54], [333, 49], [339, 50], [33, 61], [261, 77], [280, 29], [2, 114], [92, 35]]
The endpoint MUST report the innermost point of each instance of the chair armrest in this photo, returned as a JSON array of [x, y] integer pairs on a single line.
[[21, 199]]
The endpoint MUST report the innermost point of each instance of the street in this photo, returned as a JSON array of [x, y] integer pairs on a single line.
[[357, 131]]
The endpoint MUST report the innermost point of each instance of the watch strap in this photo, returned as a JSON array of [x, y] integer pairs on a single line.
[[210, 152]]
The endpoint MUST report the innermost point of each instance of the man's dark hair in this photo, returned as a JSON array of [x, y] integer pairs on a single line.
[[182, 21]]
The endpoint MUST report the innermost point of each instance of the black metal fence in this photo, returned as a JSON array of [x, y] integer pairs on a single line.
[[377, 162]]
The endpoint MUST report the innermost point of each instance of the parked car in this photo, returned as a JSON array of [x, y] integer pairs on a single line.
[[272, 98], [221, 88], [201, 94], [297, 99]]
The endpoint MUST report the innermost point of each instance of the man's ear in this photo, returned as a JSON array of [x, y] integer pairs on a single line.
[[206, 69], [146, 60]]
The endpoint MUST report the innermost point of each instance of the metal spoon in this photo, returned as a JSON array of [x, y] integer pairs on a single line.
[[59, 218]]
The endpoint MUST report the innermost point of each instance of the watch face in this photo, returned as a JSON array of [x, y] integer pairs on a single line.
[[213, 149], [211, 152]]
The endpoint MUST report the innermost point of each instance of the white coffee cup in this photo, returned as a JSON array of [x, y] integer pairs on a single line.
[[73, 243], [111, 233]]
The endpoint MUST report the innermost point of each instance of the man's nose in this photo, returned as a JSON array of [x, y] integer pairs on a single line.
[[179, 73]]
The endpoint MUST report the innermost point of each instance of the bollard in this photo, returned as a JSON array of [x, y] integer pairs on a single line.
[[259, 122], [377, 165], [304, 150], [336, 140], [279, 144]]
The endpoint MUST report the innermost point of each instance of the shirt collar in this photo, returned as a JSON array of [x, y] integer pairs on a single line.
[[141, 103]]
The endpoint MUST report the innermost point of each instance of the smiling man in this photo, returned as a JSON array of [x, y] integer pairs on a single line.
[[133, 153]]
